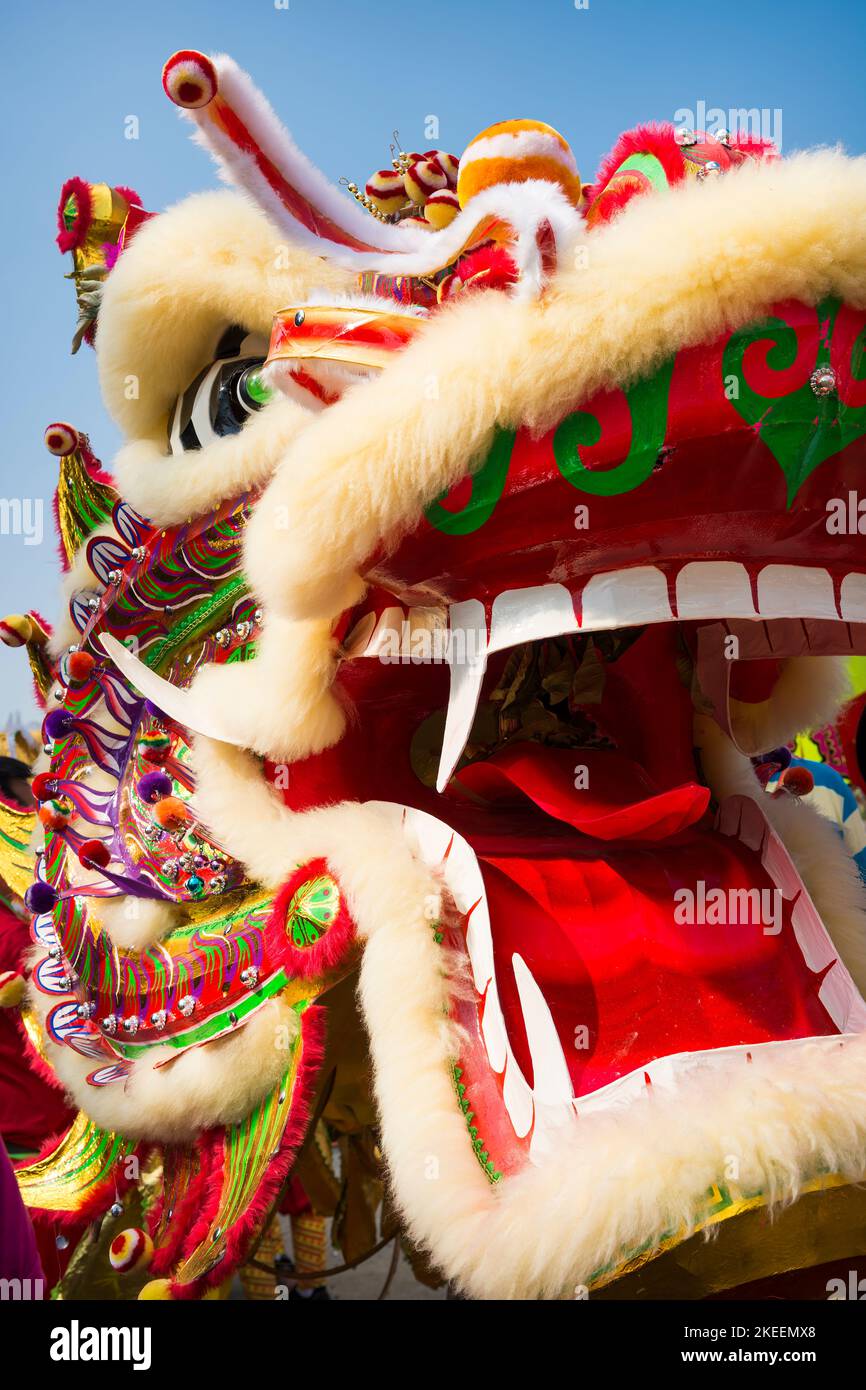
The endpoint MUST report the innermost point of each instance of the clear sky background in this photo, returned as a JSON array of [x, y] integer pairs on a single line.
[[342, 74]]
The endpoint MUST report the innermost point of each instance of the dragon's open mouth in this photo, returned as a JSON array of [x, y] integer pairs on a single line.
[[621, 925]]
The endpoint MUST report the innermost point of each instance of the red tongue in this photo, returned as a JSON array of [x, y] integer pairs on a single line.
[[599, 791]]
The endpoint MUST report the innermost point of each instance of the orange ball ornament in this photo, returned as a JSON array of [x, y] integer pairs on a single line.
[[514, 152]]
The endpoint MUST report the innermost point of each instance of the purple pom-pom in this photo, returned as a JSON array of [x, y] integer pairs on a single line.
[[57, 724], [155, 785], [40, 897]]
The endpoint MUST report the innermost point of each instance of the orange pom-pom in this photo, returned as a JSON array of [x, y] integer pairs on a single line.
[[170, 812]]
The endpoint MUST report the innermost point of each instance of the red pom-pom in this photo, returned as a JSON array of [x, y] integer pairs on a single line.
[[80, 666], [797, 780], [43, 786], [94, 854]]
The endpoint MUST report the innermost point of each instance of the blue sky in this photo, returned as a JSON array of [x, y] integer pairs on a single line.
[[343, 74]]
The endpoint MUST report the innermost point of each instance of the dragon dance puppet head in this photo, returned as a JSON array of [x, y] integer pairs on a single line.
[[464, 571]]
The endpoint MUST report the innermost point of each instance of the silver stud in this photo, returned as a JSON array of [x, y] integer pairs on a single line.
[[250, 976], [171, 869], [684, 136], [159, 1019], [186, 1004], [116, 1209], [115, 576], [131, 1025], [257, 617], [109, 1024], [710, 169], [243, 630], [823, 381], [93, 603], [723, 137], [139, 553], [86, 1010], [218, 883], [61, 1242], [223, 637]]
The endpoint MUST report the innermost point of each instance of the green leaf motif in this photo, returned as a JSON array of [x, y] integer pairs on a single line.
[[648, 407], [800, 429], [312, 911]]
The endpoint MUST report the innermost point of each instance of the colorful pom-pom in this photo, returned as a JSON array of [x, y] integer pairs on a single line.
[[190, 79], [441, 208], [43, 786], [61, 439], [155, 785], [170, 812], [386, 191], [58, 723], [16, 629], [154, 745], [422, 178], [94, 854], [131, 1250], [449, 164], [79, 667], [797, 780], [514, 151], [40, 897], [55, 814]]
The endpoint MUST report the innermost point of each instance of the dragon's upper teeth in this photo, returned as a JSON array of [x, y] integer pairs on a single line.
[[467, 659], [527, 615]]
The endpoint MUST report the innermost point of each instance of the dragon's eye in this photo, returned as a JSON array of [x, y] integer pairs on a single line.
[[223, 396]]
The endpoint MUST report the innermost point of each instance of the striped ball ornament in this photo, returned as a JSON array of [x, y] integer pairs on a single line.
[[513, 152], [131, 1250]]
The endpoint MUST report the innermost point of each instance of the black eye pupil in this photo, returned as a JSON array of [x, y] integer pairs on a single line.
[[299, 318]]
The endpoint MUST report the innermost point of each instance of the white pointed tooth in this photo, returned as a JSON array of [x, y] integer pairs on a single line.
[[624, 598], [493, 1029], [183, 705], [517, 1098], [707, 588], [853, 598], [467, 661], [528, 615], [552, 1096], [795, 591], [551, 1082], [479, 943]]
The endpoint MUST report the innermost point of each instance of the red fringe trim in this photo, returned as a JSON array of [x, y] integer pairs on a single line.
[[70, 238], [655, 137], [244, 1231], [329, 950]]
